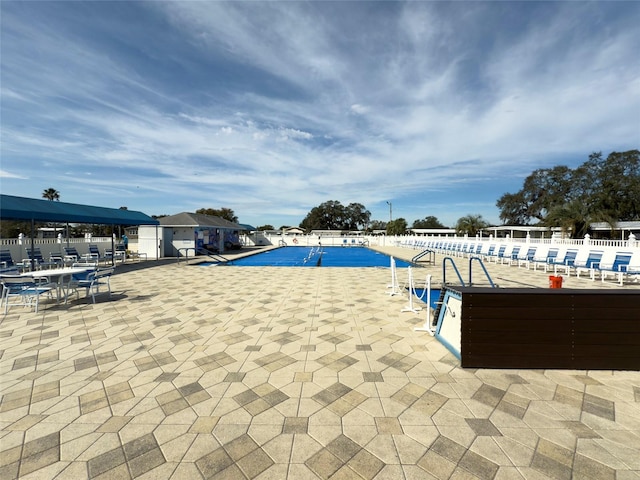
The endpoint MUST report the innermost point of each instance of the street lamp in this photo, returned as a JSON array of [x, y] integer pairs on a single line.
[[390, 216]]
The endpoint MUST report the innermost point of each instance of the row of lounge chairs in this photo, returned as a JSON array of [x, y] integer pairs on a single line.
[[621, 264], [36, 261]]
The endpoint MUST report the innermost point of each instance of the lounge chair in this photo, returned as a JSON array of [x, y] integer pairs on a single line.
[[497, 255], [512, 255], [526, 256], [564, 258], [40, 262], [71, 255], [6, 260], [585, 263], [614, 263]]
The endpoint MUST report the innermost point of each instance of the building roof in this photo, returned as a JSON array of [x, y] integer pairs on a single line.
[[21, 208], [186, 219]]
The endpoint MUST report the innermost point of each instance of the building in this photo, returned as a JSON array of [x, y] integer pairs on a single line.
[[186, 233]]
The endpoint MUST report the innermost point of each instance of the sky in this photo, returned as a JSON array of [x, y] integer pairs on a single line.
[[272, 108]]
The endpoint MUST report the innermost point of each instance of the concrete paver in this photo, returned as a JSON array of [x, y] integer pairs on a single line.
[[271, 372]]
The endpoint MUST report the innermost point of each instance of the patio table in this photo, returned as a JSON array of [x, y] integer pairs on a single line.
[[59, 277]]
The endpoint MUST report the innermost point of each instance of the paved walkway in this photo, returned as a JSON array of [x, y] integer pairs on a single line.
[[273, 373]]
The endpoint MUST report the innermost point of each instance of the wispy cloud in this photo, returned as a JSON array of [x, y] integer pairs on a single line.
[[272, 108]]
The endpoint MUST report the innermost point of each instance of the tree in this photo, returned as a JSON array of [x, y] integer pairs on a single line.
[[599, 188], [377, 225], [51, 194], [225, 213], [397, 227], [356, 215], [575, 217], [264, 227], [427, 222], [470, 225]]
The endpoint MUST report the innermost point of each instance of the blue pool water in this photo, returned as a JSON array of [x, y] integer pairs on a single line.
[[318, 257]]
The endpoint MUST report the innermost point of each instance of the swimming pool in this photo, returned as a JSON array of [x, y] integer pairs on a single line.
[[318, 257]]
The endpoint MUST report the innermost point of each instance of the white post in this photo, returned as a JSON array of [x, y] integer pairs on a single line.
[[412, 290], [394, 278], [427, 324]]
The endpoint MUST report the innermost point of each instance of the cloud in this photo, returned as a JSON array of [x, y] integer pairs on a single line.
[[277, 107]]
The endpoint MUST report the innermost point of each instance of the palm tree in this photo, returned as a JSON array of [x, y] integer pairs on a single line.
[[576, 217], [51, 194], [470, 225]]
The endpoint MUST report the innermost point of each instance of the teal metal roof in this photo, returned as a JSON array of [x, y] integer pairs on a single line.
[[20, 208]]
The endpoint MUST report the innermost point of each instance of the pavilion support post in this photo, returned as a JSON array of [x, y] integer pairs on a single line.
[[33, 249]]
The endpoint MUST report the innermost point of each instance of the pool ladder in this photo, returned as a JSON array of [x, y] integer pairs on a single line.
[[455, 269]]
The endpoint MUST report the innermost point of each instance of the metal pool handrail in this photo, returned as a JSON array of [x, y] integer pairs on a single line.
[[471, 259], [455, 269]]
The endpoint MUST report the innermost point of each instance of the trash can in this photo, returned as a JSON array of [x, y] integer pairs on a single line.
[[555, 282]]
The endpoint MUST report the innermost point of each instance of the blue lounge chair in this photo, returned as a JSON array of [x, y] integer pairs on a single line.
[[582, 264], [528, 256], [37, 257], [565, 260], [619, 266]]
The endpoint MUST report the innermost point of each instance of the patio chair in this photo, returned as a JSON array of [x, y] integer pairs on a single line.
[[56, 258], [525, 258], [94, 253], [497, 255], [564, 259], [6, 260], [91, 282], [583, 264], [512, 256], [26, 289], [618, 266], [71, 255], [40, 262]]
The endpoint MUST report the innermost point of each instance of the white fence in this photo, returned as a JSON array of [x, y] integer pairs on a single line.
[[54, 245]]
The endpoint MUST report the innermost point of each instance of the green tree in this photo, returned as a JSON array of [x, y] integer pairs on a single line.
[[356, 215], [51, 194], [225, 213], [377, 225], [397, 227], [326, 216], [332, 215], [574, 218], [428, 222], [264, 227], [470, 225], [598, 188]]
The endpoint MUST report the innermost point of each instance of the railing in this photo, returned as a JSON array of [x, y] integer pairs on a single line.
[[431, 253], [200, 251], [455, 269], [471, 259]]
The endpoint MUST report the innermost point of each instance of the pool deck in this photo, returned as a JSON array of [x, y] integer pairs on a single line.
[[299, 373]]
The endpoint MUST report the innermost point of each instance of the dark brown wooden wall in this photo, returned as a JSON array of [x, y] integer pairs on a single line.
[[545, 328]]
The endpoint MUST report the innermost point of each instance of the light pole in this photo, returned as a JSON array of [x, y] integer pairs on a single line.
[[390, 215]]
